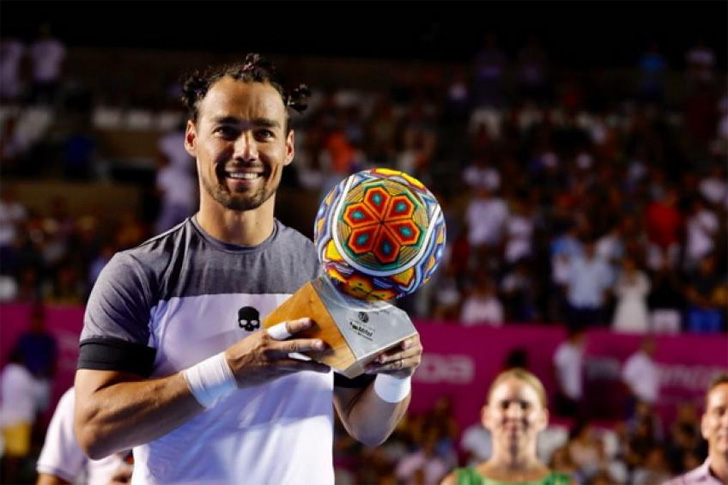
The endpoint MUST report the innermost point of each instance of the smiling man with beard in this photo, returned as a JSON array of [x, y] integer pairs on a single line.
[[166, 368]]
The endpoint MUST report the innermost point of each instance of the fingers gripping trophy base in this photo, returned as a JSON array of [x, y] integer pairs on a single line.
[[354, 332]]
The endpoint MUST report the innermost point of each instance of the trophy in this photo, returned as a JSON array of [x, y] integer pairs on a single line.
[[380, 235]]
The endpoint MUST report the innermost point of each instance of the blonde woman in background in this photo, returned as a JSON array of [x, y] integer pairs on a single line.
[[515, 413]]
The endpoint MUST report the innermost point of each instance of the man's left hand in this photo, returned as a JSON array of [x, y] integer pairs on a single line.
[[400, 361]]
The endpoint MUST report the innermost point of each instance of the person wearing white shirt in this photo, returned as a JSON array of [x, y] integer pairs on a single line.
[[482, 306], [568, 363], [588, 279], [476, 443], [62, 461], [641, 374], [47, 55], [486, 216], [20, 397], [11, 53], [702, 226]]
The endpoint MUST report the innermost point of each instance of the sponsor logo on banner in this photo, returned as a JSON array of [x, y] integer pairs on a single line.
[[446, 369]]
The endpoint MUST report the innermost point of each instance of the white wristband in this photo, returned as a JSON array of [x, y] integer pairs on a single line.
[[392, 389], [210, 379]]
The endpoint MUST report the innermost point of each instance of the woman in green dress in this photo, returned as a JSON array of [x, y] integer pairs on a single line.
[[515, 413]]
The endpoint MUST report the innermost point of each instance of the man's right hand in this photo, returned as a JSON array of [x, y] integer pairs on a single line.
[[260, 358]]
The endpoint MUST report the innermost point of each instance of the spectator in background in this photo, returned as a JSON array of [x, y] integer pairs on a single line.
[[47, 55], [515, 413], [489, 65], [684, 438], [482, 306], [520, 225], [446, 294], [631, 289], [714, 186], [62, 461], [588, 279], [663, 224], [519, 293], [666, 300], [14, 145], [641, 375], [585, 449], [700, 63], [79, 154], [706, 296], [654, 468], [486, 216], [569, 367], [20, 395], [701, 229], [97, 264], [177, 191], [533, 71], [476, 444], [441, 419], [12, 215], [40, 353], [175, 182], [11, 54], [481, 174], [652, 73], [67, 287], [714, 428], [423, 464], [129, 231]]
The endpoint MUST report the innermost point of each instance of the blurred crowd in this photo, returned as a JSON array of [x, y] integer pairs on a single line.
[[568, 200]]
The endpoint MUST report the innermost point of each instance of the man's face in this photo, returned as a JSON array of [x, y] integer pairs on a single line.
[[240, 143], [714, 424]]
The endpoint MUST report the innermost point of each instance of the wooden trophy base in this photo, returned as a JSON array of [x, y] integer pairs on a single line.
[[356, 331]]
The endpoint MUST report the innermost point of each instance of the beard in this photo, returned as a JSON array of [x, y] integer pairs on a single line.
[[238, 201]]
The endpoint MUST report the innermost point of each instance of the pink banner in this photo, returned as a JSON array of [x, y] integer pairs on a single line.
[[460, 362]]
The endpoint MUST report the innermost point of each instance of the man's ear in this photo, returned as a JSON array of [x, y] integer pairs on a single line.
[[704, 427], [191, 139], [290, 147]]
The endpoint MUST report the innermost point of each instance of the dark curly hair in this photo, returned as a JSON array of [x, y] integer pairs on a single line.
[[255, 68]]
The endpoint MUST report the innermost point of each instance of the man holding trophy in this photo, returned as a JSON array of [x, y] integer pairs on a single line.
[[174, 362]]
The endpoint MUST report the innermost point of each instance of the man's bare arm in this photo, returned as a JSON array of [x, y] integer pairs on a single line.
[[116, 411], [119, 410], [364, 414]]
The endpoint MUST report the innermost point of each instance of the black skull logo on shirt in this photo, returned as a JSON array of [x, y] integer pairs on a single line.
[[249, 318]]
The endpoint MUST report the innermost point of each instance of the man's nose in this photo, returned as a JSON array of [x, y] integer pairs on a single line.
[[246, 147]]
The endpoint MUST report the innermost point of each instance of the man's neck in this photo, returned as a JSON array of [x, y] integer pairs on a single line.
[[718, 466], [244, 228]]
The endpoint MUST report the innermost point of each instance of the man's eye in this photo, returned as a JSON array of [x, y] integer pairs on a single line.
[[264, 134], [225, 131]]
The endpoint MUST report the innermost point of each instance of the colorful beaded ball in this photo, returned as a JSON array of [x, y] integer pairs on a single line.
[[380, 234]]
